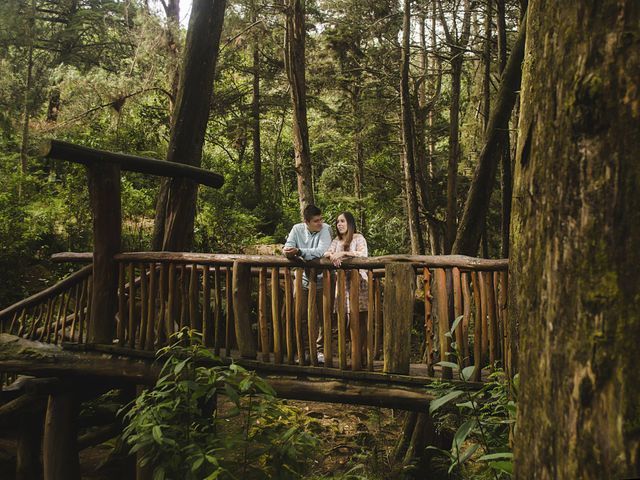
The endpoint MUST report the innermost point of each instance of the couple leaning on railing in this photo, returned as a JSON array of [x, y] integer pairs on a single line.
[[311, 239]]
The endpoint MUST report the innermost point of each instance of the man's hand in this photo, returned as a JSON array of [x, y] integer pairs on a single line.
[[290, 252]]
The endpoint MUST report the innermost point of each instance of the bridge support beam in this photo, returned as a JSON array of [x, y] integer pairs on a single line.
[[60, 444], [241, 286]]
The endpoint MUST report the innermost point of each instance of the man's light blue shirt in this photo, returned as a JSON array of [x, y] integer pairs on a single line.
[[311, 244]]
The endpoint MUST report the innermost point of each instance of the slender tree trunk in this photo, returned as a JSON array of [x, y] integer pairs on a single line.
[[575, 237], [358, 177], [415, 230], [506, 177], [26, 110], [255, 113], [295, 66], [477, 203], [190, 120], [486, 57]]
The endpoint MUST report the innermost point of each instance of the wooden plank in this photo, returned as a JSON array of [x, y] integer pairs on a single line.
[[241, 298], [288, 296], [398, 317], [312, 317], [275, 316], [263, 326], [354, 323], [443, 320], [299, 303], [428, 321], [326, 318], [341, 289]]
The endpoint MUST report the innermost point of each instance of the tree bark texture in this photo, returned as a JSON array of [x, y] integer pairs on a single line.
[[408, 133], [295, 66], [189, 122], [575, 242], [477, 202]]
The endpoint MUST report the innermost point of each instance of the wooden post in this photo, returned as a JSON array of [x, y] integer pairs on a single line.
[[477, 328], [457, 309], [144, 305], [29, 447], [428, 321], [398, 315], [299, 302], [342, 319], [288, 316], [104, 194], [218, 328], [172, 292], [312, 317], [275, 315], [443, 319], [326, 318], [378, 335], [132, 305], [151, 321], [483, 315], [229, 323], [241, 311], [370, 325], [207, 330], [466, 312], [263, 327], [60, 449], [491, 319], [194, 293], [354, 324]]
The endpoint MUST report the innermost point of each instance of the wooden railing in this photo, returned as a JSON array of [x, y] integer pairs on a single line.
[[247, 306], [59, 313]]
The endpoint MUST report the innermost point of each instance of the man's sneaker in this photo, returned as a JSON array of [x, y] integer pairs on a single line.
[[320, 357]]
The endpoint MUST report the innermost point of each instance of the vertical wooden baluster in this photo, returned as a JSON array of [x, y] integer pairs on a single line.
[[47, 322], [169, 323], [230, 322], [122, 304], [76, 310], [498, 313], [466, 312], [64, 300], [87, 318], [428, 321], [151, 309], [132, 306], [85, 296], [194, 293], [299, 302], [491, 319], [144, 306], [400, 284], [13, 322], [457, 311], [370, 321], [207, 326], [21, 320], [288, 317], [506, 328], [218, 327], [64, 317], [477, 328], [326, 318], [241, 309], [379, 321], [443, 320], [312, 317], [38, 319], [181, 296], [160, 326], [485, 324], [262, 315], [275, 315], [342, 319], [354, 324]]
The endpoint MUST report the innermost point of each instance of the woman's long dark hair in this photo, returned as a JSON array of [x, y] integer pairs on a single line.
[[351, 229]]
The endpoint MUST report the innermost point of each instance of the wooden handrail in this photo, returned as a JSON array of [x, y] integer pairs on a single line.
[[53, 290], [79, 154], [462, 262]]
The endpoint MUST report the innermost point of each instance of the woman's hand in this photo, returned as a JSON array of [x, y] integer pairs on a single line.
[[336, 258]]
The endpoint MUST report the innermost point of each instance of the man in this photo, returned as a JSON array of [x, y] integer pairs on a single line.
[[309, 240]]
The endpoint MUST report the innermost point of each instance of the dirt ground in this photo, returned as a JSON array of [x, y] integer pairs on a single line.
[[354, 439]]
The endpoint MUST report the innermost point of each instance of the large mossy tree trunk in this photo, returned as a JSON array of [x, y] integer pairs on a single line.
[[575, 240], [175, 210]]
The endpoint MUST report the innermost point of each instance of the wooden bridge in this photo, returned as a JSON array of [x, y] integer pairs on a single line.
[[107, 320]]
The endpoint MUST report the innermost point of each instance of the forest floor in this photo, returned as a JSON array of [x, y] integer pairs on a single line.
[[354, 439]]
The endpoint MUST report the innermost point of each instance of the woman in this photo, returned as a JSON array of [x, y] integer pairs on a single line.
[[348, 244]]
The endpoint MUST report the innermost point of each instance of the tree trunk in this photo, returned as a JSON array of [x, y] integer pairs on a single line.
[[486, 57], [477, 203], [575, 237], [189, 122], [255, 113], [295, 66], [415, 231], [24, 143]]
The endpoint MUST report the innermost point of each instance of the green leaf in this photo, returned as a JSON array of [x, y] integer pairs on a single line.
[[156, 432], [439, 402], [158, 473], [456, 322], [496, 456], [467, 372], [196, 465], [503, 466], [462, 433], [468, 453], [231, 393]]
